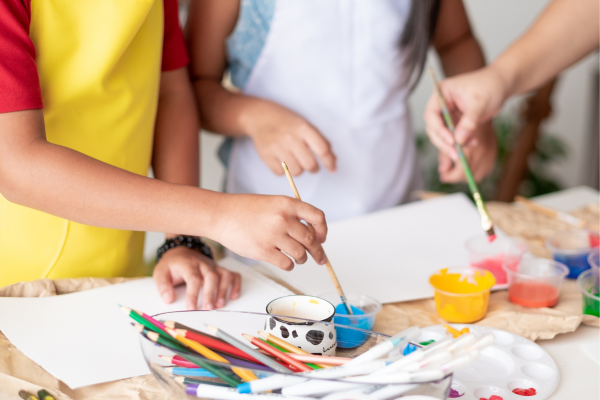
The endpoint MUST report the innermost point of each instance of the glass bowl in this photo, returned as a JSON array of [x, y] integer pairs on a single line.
[[495, 255], [572, 248], [369, 307], [535, 282], [237, 323]]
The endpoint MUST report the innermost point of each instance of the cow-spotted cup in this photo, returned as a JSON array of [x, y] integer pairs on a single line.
[[312, 337]]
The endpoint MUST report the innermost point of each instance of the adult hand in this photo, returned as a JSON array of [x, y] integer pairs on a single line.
[[182, 265], [480, 153], [473, 99], [266, 227], [282, 135]]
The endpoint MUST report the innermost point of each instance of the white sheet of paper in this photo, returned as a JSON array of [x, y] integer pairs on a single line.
[[390, 254], [84, 338]]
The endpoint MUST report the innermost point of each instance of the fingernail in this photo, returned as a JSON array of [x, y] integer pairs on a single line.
[[166, 297], [234, 296], [190, 307], [220, 303], [208, 307]]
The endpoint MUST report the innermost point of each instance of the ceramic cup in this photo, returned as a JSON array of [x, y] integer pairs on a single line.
[[313, 337]]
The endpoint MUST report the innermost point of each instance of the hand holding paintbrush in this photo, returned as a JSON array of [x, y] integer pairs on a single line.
[[486, 222], [332, 274]]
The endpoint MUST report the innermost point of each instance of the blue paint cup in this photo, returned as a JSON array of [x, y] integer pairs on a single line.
[[573, 248], [364, 309]]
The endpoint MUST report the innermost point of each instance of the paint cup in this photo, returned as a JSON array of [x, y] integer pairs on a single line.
[[313, 337], [572, 248], [462, 295], [495, 255], [594, 261], [588, 284], [364, 308], [535, 282]]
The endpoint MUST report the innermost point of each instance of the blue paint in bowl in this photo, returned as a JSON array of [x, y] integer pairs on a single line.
[[573, 248], [364, 310]]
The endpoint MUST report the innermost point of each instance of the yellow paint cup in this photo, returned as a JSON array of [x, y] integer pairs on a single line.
[[462, 295]]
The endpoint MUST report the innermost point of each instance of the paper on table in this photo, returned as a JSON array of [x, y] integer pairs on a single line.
[[390, 254], [84, 338]]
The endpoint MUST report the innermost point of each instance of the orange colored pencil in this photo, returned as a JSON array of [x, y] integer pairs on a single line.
[[287, 346], [277, 354], [314, 359]]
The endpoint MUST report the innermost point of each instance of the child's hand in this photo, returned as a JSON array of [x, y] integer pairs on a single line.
[[182, 265], [266, 227], [282, 135]]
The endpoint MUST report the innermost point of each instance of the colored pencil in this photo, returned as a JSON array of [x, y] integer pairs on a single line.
[[158, 339], [277, 354], [245, 374], [177, 360], [311, 358], [214, 344], [44, 395], [184, 380], [332, 274], [225, 374], [486, 221], [250, 351], [203, 373], [26, 395], [313, 366], [178, 325], [274, 340], [562, 216], [141, 320]]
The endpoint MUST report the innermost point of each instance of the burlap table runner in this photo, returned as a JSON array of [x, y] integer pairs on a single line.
[[18, 372]]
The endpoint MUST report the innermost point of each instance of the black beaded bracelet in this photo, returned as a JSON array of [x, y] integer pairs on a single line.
[[191, 242]]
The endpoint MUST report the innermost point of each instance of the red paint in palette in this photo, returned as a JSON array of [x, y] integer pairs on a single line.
[[494, 265], [525, 392], [493, 397]]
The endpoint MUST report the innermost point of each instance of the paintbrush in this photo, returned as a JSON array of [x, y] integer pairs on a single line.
[[486, 221], [332, 274]]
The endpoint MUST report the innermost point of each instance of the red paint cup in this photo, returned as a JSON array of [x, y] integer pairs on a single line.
[[494, 256], [535, 282]]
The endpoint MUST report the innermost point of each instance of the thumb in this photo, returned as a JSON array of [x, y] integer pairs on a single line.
[[164, 284]]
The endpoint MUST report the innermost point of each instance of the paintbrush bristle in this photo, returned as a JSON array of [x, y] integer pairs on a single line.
[[491, 235]]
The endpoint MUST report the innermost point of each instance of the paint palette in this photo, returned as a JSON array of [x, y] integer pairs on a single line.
[[512, 362]]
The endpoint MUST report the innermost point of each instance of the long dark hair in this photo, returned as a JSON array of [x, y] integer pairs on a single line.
[[417, 36]]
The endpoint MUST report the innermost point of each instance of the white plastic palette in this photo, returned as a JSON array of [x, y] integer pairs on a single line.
[[511, 362]]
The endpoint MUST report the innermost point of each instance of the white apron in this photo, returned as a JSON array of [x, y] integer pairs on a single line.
[[338, 64]]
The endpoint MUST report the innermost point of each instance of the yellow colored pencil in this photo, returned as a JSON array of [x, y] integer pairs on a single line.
[[287, 346], [245, 374]]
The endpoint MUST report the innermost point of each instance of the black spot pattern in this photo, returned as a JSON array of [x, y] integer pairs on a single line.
[[330, 335], [284, 332], [315, 337], [294, 334], [272, 323], [317, 354]]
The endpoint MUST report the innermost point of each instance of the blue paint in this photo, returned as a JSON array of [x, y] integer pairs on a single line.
[[409, 349], [349, 338], [577, 263]]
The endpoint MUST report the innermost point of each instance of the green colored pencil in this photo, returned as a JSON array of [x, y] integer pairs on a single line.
[[191, 381], [160, 339], [486, 221]]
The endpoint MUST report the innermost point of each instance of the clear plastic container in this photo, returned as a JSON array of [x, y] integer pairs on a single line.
[[535, 282], [493, 256], [462, 295], [367, 305], [572, 248], [588, 284], [236, 323], [594, 261]]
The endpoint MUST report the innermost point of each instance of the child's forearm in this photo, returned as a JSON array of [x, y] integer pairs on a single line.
[[462, 56], [222, 111], [71, 185], [565, 32]]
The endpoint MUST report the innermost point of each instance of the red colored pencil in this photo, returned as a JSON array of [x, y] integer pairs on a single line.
[[179, 361], [216, 344], [277, 354]]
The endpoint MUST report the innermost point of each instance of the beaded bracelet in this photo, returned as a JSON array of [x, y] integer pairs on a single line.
[[191, 242]]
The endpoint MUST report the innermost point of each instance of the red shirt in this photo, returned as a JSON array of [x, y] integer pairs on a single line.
[[19, 82]]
